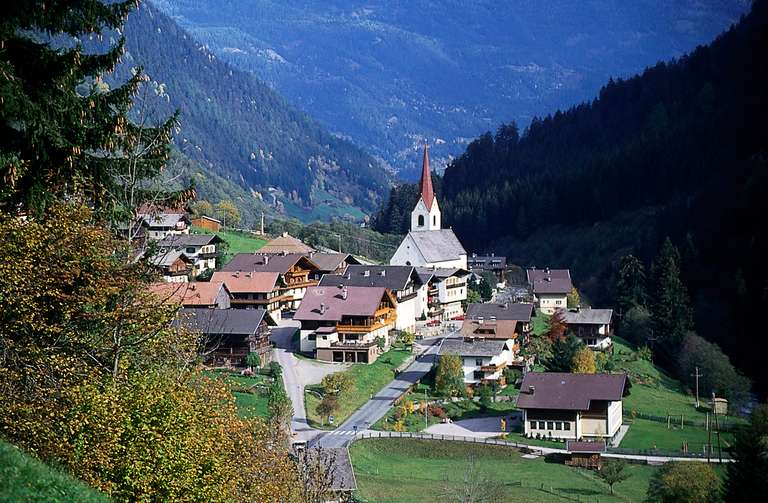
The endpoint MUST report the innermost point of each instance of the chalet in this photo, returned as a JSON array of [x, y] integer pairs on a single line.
[[200, 248], [253, 290], [229, 334], [446, 291], [207, 294], [160, 225], [331, 262], [518, 313], [550, 288], [592, 326], [427, 244], [572, 406], [296, 273], [208, 223], [492, 263], [343, 323], [403, 281], [483, 360], [285, 243], [173, 265]]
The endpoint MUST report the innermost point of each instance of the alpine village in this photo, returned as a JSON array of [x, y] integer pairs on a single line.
[[385, 252]]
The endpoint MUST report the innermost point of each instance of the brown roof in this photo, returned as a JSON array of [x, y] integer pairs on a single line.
[[508, 311], [499, 329], [247, 282], [267, 263], [557, 390], [329, 262], [330, 303], [586, 447], [198, 293], [550, 280], [285, 243]]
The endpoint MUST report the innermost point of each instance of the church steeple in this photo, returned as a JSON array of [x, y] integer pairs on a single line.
[[426, 215]]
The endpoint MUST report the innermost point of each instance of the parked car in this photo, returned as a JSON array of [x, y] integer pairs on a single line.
[[433, 323]]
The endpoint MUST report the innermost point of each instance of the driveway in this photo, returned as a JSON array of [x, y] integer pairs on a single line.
[[298, 373], [479, 427]]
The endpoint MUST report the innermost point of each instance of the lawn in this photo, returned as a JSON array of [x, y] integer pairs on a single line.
[[368, 380], [539, 323], [250, 392], [237, 241], [25, 478], [464, 409], [644, 434], [405, 470]]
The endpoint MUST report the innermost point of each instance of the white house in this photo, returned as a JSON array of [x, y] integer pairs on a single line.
[[550, 288], [446, 291], [200, 248], [483, 360], [592, 326], [572, 406], [164, 224]]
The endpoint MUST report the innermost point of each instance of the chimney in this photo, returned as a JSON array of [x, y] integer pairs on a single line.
[[578, 308], [237, 274], [285, 234], [531, 390], [506, 305], [546, 270], [493, 254], [366, 273], [322, 308], [344, 293], [383, 272], [493, 318], [480, 320], [266, 259]]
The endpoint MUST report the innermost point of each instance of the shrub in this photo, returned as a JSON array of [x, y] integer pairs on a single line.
[[276, 370], [436, 411]]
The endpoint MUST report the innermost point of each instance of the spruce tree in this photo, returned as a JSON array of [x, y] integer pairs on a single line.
[[63, 132], [630, 283], [670, 307]]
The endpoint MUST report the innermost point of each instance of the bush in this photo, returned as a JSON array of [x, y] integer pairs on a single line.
[[719, 375], [436, 411], [275, 370], [636, 325], [684, 482], [512, 375]]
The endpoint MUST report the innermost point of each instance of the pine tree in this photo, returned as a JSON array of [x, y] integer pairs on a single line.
[[630, 283], [670, 311], [63, 132]]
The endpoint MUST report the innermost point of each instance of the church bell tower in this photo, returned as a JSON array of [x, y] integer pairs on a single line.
[[426, 215]]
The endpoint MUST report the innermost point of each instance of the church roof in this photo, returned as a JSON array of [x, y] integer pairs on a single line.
[[438, 245], [425, 185]]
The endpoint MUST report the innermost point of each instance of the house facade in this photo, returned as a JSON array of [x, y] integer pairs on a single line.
[[342, 324], [572, 406], [483, 360], [161, 225], [446, 291], [253, 290], [520, 314], [550, 288], [592, 326], [173, 265], [200, 248], [496, 265]]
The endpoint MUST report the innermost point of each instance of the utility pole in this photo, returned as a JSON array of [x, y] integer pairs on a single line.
[[426, 410], [697, 375], [262, 223]]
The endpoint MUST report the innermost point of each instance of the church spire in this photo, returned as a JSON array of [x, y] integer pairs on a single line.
[[425, 186]]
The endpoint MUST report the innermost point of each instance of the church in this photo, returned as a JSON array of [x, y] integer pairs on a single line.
[[430, 248]]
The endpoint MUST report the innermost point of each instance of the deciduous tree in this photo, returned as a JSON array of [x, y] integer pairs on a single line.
[[584, 361], [556, 326], [573, 299], [612, 472], [449, 378], [228, 213], [684, 482]]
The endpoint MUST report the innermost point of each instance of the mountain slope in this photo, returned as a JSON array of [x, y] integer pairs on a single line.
[[389, 74], [239, 129]]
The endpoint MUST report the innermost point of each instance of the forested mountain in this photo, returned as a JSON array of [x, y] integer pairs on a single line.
[[391, 73], [679, 151], [238, 129]]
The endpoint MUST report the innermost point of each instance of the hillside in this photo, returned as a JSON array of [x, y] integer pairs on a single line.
[[236, 128], [389, 74], [679, 151], [26, 479]]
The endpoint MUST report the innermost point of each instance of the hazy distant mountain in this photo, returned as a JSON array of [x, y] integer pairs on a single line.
[[389, 73], [249, 140]]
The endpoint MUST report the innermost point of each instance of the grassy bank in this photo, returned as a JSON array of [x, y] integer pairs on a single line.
[[367, 379], [250, 392], [418, 468], [237, 241], [24, 478]]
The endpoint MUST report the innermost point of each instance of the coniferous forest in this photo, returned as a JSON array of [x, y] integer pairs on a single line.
[[680, 150]]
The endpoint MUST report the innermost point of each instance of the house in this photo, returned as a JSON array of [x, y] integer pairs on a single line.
[[572, 406], [285, 243], [483, 360], [446, 291], [200, 248], [496, 265], [331, 262], [296, 272], [343, 323], [207, 223], [550, 288], [207, 294], [519, 313], [427, 244], [229, 335], [402, 280], [592, 326], [253, 290], [173, 265], [160, 225]]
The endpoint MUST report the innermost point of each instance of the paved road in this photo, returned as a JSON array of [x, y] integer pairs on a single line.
[[377, 407]]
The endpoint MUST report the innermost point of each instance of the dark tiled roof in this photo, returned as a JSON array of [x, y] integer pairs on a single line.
[[564, 391], [222, 321], [328, 262], [476, 347], [441, 273], [519, 312], [394, 277], [588, 316], [178, 240], [550, 280], [585, 447], [497, 329], [267, 263], [359, 301]]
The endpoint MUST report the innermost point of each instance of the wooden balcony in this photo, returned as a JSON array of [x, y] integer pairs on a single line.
[[494, 368], [363, 329]]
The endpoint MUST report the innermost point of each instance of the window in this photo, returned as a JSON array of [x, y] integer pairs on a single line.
[[311, 337], [559, 302], [550, 425], [542, 425], [478, 361], [190, 249], [434, 220], [558, 425], [566, 426], [421, 220], [477, 374]]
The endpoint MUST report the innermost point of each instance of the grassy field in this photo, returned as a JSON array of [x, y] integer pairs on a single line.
[[644, 434], [405, 470], [249, 404], [24, 478], [539, 323], [237, 242], [368, 379]]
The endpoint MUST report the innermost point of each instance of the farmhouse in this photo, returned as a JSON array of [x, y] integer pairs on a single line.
[[403, 281], [229, 334], [285, 243], [520, 314], [200, 248], [446, 290], [550, 288], [173, 265], [331, 263], [160, 225], [253, 290], [207, 294], [572, 406], [592, 326], [343, 323], [483, 360]]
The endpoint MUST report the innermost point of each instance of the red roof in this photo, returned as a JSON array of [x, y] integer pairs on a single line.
[[425, 186], [247, 282], [332, 303], [198, 293]]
